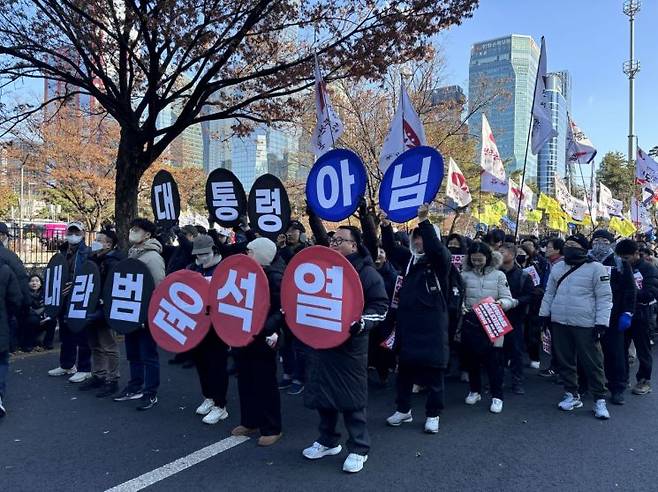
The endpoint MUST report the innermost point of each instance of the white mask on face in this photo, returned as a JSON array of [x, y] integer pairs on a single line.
[[203, 260], [96, 246], [135, 237], [73, 239]]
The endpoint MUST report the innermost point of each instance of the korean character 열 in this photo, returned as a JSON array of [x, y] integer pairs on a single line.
[[316, 310]]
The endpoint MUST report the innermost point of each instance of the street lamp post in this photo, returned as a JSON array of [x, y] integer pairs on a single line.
[[631, 68]]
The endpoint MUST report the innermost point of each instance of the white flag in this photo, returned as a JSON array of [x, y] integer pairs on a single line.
[[490, 184], [490, 159], [456, 186], [329, 127], [542, 124], [579, 148], [514, 194], [562, 194], [646, 168], [640, 215], [406, 132]]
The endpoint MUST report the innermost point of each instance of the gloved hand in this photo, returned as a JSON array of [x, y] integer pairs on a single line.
[[599, 331], [624, 321], [356, 328]]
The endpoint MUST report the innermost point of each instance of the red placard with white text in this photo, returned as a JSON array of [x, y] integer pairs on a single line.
[[239, 300], [492, 318], [322, 297], [178, 315]]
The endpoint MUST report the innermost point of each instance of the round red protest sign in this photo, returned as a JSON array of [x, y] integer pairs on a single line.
[[178, 317], [321, 295], [239, 300]]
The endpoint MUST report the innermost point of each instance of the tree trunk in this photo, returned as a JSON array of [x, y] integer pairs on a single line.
[[129, 170]]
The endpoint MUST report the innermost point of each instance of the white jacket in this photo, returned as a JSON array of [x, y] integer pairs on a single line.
[[584, 298]]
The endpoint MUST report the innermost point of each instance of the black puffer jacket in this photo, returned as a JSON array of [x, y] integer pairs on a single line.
[[623, 287], [421, 337], [11, 299], [12, 260], [338, 377], [646, 307]]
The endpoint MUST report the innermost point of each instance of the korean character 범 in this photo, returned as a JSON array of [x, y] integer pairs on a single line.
[[126, 297]]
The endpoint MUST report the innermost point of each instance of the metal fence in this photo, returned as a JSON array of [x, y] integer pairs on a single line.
[[35, 245]]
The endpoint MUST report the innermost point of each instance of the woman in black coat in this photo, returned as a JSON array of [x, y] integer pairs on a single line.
[[421, 338]]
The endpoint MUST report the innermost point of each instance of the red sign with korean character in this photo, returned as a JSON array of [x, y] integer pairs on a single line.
[[178, 313], [322, 297], [239, 300], [492, 318]]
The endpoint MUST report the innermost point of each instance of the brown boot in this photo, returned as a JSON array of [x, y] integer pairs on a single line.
[[268, 440], [241, 430]]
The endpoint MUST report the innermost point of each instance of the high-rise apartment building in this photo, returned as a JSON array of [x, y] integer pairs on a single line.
[[505, 68]]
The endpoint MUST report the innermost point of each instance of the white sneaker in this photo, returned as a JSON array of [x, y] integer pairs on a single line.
[[354, 463], [399, 418], [79, 377], [58, 371], [317, 451], [600, 410], [570, 402], [432, 425], [215, 415], [473, 398], [534, 364], [496, 405], [205, 407]]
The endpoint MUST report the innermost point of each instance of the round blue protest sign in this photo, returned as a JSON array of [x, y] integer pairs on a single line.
[[335, 185], [412, 179]]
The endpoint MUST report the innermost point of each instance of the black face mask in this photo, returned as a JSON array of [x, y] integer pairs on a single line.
[[573, 255], [455, 250]]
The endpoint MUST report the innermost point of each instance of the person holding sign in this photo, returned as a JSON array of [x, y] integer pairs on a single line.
[[421, 337], [260, 402], [482, 279], [338, 377], [141, 349]]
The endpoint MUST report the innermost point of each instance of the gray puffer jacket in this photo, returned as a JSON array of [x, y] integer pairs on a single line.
[[149, 253], [491, 282], [584, 298]]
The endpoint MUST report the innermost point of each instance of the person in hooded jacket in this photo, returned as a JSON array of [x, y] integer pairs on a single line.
[[260, 403], [104, 348], [483, 279], [644, 317], [338, 377], [421, 337], [578, 302], [74, 351], [141, 349], [624, 293], [210, 355]]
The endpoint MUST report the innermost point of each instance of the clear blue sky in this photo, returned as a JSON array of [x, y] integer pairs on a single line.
[[590, 39]]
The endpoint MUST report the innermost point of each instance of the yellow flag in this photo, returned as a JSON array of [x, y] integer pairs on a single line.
[[545, 202], [533, 215], [500, 207], [557, 223]]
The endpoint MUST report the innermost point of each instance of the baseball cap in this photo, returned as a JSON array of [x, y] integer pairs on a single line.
[[76, 224], [202, 244], [295, 224]]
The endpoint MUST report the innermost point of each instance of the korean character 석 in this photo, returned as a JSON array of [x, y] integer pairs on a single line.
[[242, 296]]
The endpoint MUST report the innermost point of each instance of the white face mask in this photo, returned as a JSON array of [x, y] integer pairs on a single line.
[[203, 260], [97, 246], [73, 239], [5, 242], [135, 237]]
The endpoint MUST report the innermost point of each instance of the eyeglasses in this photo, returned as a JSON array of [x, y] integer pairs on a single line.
[[339, 240]]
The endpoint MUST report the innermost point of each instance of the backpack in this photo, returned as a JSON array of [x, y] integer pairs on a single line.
[[454, 290]]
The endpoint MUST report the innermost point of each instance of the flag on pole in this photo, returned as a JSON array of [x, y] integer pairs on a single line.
[[579, 147], [646, 169], [542, 126], [514, 194], [490, 184], [609, 206], [490, 159], [329, 127], [649, 194], [406, 131], [456, 186], [593, 207], [640, 216]]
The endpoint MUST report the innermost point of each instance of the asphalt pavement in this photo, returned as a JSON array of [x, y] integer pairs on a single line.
[[57, 438]]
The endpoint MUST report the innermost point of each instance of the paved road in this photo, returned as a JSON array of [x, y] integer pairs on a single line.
[[58, 438]]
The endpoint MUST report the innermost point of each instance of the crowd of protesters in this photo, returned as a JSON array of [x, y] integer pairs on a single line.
[[583, 310]]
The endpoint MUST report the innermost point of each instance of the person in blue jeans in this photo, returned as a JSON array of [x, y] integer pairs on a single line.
[[11, 299], [141, 349]]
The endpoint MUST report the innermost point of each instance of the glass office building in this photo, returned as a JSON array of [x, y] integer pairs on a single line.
[[505, 68], [552, 156]]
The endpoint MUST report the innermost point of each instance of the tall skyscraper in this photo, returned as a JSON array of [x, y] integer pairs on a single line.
[[505, 67], [187, 149], [552, 156], [264, 150]]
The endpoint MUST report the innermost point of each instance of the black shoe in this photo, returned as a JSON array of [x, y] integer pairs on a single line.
[[285, 383], [129, 394], [108, 389], [617, 399], [93, 382], [147, 402], [547, 373], [517, 389]]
